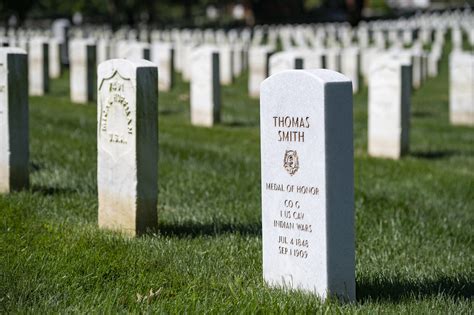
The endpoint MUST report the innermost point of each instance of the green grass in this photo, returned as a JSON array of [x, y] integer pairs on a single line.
[[414, 217]]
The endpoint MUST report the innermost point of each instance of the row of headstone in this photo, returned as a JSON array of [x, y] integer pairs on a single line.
[[307, 169], [335, 46]]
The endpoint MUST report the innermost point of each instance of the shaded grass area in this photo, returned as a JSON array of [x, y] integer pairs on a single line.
[[414, 217]]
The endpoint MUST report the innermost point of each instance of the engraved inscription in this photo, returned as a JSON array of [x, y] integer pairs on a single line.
[[290, 162], [117, 116], [291, 219], [291, 222], [289, 122], [117, 101]]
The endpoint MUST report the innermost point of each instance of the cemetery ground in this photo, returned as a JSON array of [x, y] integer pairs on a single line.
[[414, 217]]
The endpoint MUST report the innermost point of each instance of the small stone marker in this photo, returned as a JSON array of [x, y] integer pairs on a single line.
[[38, 73], [82, 64], [389, 107], [308, 182], [461, 88], [127, 145], [13, 120], [205, 87]]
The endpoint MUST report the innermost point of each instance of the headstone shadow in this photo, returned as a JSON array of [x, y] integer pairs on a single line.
[[50, 191], [35, 166], [433, 155], [240, 124], [398, 290], [421, 114], [192, 229], [167, 112]]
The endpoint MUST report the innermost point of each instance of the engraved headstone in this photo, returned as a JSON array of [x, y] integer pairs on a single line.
[[38, 73], [82, 63], [127, 145], [205, 87], [14, 152], [461, 88], [389, 107], [307, 182]]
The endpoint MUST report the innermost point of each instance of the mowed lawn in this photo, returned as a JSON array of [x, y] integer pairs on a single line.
[[414, 217]]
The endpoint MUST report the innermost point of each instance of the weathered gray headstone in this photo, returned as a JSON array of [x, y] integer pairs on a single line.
[[308, 182], [205, 87], [14, 153], [127, 145], [389, 107]]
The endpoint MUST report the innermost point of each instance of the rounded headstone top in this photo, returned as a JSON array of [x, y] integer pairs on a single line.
[[119, 62]]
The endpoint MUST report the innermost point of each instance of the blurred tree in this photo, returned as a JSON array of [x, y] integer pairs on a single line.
[[278, 11], [19, 8], [184, 13]]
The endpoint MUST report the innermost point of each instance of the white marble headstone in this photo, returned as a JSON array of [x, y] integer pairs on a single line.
[[308, 183], [258, 68], [162, 54], [14, 152], [461, 88], [38, 68], [54, 58], [82, 66], [226, 65], [350, 65], [285, 60], [389, 107], [205, 87], [127, 145]]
